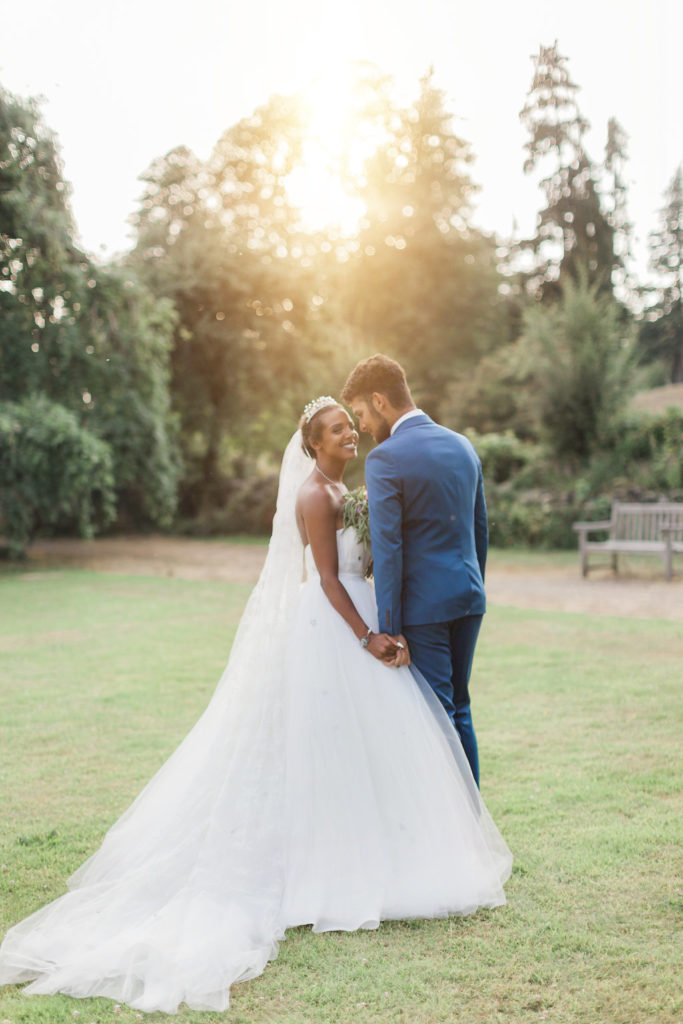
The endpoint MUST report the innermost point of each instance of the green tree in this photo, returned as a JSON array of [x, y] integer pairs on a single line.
[[574, 235], [579, 359], [221, 240], [54, 474], [89, 338], [128, 332], [43, 278], [422, 284], [246, 178], [615, 199], [497, 395], [661, 334]]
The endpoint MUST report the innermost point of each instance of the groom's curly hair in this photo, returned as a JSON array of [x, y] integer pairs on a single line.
[[378, 373]]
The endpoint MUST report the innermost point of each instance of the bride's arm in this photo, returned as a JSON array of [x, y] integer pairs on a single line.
[[320, 518]]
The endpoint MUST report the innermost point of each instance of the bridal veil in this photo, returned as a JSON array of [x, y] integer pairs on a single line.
[[182, 899]]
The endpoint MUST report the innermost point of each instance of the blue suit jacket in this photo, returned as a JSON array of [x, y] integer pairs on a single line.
[[428, 525]]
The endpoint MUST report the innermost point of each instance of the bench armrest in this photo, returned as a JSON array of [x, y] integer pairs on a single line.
[[602, 524]]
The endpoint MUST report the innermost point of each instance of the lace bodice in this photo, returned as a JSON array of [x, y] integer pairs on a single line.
[[352, 556]]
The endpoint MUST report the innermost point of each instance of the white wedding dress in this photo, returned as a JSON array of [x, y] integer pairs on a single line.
[[319, 787]]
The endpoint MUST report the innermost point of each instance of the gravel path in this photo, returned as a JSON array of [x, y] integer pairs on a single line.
[[548, 588]]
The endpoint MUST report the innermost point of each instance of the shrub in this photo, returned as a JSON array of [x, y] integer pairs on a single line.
[[538, 519], [502, 455], [247, 507], [53, 473], [537, 504]]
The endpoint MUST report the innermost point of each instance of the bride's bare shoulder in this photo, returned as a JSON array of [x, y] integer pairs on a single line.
[[313, 498], [314, 504]]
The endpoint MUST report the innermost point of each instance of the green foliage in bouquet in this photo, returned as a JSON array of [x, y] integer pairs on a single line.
[[355, 514]]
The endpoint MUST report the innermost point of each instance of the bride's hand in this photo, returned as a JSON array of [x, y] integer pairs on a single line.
[[382, 646], [401, 652]]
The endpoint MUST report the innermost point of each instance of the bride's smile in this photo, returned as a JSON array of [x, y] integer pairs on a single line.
[[338, 441]]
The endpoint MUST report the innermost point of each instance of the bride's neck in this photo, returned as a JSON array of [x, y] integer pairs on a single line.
[[331, 469]]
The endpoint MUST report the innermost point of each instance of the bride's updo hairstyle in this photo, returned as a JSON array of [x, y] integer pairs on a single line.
[[311, 422]]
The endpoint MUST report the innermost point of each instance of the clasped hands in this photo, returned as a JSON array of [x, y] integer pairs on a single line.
[[392, 650]]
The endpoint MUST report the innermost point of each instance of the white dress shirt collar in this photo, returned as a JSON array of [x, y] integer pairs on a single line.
[[406, 416]]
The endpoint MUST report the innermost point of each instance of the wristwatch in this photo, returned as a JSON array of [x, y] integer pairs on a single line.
[[365, 640]]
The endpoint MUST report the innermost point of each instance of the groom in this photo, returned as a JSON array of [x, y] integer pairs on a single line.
[[429, 534]]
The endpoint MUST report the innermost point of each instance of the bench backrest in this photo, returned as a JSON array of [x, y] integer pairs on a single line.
[[631, 521]]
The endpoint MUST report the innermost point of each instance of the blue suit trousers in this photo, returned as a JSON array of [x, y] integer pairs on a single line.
[[443, 652]]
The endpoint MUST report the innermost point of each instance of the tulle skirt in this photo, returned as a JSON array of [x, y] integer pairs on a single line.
[[339, 800], [383, 818]]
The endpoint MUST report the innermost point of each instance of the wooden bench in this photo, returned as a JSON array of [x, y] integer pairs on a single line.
[[636, 529]]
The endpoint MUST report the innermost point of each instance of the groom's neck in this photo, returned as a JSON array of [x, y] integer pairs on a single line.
[[392, 414]]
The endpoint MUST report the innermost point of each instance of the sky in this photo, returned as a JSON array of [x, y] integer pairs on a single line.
[[123, 82]]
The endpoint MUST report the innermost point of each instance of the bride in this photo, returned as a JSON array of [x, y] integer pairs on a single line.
[[324, 785]]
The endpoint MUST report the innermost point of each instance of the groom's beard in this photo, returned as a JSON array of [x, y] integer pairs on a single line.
[[381, 429]]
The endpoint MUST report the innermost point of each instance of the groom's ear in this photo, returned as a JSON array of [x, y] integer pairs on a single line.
[[379, 401]]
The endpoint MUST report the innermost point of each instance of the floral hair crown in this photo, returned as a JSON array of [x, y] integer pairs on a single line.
[[316, 405]]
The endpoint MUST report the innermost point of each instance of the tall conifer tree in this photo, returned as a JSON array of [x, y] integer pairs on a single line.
[[574, 236], [662, 333]]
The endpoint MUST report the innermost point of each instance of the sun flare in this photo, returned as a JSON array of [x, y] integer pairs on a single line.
[[340, 138]]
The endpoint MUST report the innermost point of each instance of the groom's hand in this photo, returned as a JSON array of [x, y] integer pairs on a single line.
[[401, 652], [382, 647]]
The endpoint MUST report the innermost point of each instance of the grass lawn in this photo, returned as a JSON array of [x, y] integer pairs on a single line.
[[530, 559], [101, 676]]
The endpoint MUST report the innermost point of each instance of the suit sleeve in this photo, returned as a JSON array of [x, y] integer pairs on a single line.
[[481, 530], [386, 537]]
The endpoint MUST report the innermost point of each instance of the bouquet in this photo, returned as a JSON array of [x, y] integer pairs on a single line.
[[355, 514]]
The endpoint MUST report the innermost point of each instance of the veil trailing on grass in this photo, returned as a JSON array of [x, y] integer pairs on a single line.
[[183, 897]]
